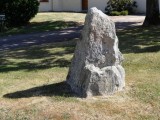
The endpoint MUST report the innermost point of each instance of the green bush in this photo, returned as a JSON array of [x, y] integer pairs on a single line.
[[124, 12], [120, 6], [116, 13], [18, 12]]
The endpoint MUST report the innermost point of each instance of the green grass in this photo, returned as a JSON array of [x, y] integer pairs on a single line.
[[47, 22], [32, 82]]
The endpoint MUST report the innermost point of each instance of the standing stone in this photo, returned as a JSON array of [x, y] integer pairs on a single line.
[[96, 66]]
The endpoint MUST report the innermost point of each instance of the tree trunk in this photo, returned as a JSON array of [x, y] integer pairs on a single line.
[[152, 13]]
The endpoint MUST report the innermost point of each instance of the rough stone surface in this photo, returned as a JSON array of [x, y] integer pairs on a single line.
[[96, 65]]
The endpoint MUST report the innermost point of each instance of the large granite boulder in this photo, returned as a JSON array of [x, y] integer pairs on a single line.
[[96, 66]]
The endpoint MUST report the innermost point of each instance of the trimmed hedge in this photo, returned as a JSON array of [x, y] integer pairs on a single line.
[[18, 12], [116, 13]]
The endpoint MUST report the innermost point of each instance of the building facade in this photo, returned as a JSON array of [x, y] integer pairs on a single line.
[[81, 5]]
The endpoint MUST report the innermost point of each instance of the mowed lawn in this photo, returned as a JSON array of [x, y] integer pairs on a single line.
[[32, 80], [44, 22]]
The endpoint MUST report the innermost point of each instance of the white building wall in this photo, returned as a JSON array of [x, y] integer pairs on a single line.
[[72, 5], [76, 5], [57, 5], [141, 6], [100, 4], [45, 6]]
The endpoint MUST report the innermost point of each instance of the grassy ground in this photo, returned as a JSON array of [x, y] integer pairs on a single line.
[[48, 22], [32, 87]]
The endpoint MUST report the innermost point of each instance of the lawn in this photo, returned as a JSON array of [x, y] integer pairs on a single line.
[[32, 81], [47, 22]]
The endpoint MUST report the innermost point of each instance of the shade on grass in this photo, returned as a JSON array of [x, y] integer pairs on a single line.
[[30, 78]]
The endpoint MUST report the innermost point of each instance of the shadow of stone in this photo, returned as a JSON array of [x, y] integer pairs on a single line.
[[57, 89]]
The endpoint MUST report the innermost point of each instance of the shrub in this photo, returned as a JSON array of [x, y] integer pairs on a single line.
[[120, 5], [115, 13], [124, 12], [18, 12]]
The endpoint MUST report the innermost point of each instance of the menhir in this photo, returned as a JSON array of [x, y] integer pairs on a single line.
[[96, 66]]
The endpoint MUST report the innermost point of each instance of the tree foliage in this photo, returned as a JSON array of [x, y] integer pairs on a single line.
[[18, 12]]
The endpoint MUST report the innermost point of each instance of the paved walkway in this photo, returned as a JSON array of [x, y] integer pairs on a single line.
[[25, 40], [123, 22]]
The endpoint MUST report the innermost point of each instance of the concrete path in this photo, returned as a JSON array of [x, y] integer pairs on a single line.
[[26, 40], [123, 22]]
